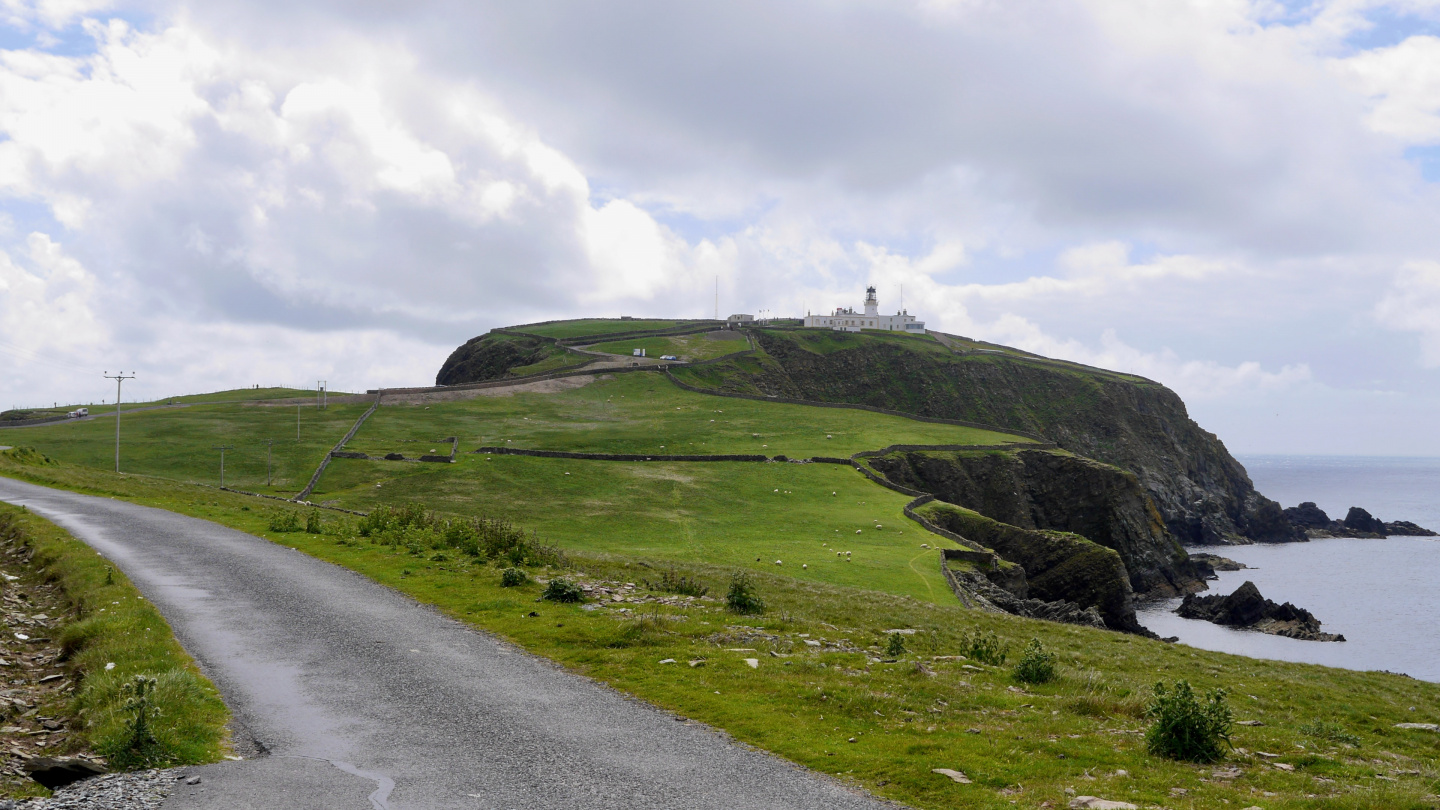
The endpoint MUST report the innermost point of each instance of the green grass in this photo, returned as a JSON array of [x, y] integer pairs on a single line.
[[688, 348], [555, 362], [645, 413], [176, 442], [738, 514], [114, 627], [1022, 746], [597, 326]]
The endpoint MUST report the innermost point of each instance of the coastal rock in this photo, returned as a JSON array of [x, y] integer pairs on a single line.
[[54, 773], [1216, 562], [1308, 516], [1360, 521], [1405, 528], [1247, 609]]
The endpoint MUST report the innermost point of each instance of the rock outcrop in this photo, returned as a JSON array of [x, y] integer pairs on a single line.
[[1357, 523], [977, 590], [493, 356], [1201, 491], [1059, 566], [1041, 489], [1247, 609]]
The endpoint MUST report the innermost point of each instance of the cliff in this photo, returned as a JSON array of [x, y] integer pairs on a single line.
[[495, 355], [1041, 489], [1059, 566], [1203, 494]]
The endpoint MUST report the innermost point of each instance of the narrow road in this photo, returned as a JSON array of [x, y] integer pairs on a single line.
[[362, 698]]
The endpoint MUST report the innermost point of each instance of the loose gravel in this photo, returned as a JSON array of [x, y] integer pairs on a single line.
[[139, 790]]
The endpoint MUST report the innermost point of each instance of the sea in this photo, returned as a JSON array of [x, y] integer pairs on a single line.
[[1382, 595]]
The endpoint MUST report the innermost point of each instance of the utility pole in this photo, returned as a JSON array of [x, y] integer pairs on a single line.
[[717, 298], [269, 447], [118, 377], [297, 423], [222, 448], [319, 395]]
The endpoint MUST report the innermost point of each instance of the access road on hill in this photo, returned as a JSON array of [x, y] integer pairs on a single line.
[[358, 697]]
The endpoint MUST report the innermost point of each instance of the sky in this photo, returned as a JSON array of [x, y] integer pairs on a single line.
[[1240, 200]]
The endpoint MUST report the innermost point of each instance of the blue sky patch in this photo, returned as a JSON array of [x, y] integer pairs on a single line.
[[1427, 159]]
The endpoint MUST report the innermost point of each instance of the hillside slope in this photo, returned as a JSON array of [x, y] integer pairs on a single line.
[[1202, 492]]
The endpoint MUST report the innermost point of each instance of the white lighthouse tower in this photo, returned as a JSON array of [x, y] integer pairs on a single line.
[[872, 304]]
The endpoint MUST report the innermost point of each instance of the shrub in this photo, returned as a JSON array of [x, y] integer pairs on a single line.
[[1187, 728], [312, 523], [1326, 730], [895, 647], [1035, 664], [742, 598], [672, 581], [511, 577], [563, 590], [285, 522], [984, 647]]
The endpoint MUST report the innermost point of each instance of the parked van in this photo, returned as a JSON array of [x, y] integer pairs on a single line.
[[78, 412]]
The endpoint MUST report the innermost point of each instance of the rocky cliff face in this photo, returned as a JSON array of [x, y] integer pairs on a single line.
[[1203, 494], [1040, 489], [1059, 566], [491, 356]]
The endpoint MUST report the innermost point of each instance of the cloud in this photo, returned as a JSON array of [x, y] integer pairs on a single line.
[[1404, 81], [1412, 304]]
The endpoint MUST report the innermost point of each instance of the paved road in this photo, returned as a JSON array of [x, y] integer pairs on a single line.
[[363, 698]]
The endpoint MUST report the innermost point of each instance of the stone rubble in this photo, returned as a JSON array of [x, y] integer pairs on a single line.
[[138, 790]]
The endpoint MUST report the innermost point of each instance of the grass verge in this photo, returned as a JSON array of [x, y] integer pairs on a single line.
[[112, 635]]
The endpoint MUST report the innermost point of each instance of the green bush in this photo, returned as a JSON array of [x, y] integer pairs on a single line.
[[511, 577], [285, 522], [984, 647], [1035, 664], [895, 646], [1185, 727], [312, 523], [563, 590], [742, 598]]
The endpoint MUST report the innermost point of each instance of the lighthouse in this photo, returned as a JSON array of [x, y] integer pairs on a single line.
[[845, 319]]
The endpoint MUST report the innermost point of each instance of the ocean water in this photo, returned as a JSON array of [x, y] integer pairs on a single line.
[[1381, 594]]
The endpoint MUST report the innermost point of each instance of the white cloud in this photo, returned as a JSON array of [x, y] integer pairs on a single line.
[[1412, 304], [1404, 80]]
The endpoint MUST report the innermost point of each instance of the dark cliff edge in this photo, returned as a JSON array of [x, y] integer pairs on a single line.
[[1042, 489], [1203, 494], [493, 356], [1059, 566]]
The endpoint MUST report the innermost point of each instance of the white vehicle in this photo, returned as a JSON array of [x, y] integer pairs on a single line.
[[78, 412], [668, 357]]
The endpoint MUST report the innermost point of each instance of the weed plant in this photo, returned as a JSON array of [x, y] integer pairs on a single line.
[[1329, 731], [1036, 664], [742, 597], [285, 522], [1187, 728], [417, 529], [672, 581], [984, 647], [312, 523], [511, 577], [895, 646]]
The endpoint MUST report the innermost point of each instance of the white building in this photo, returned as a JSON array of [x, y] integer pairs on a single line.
[[848, 320]]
